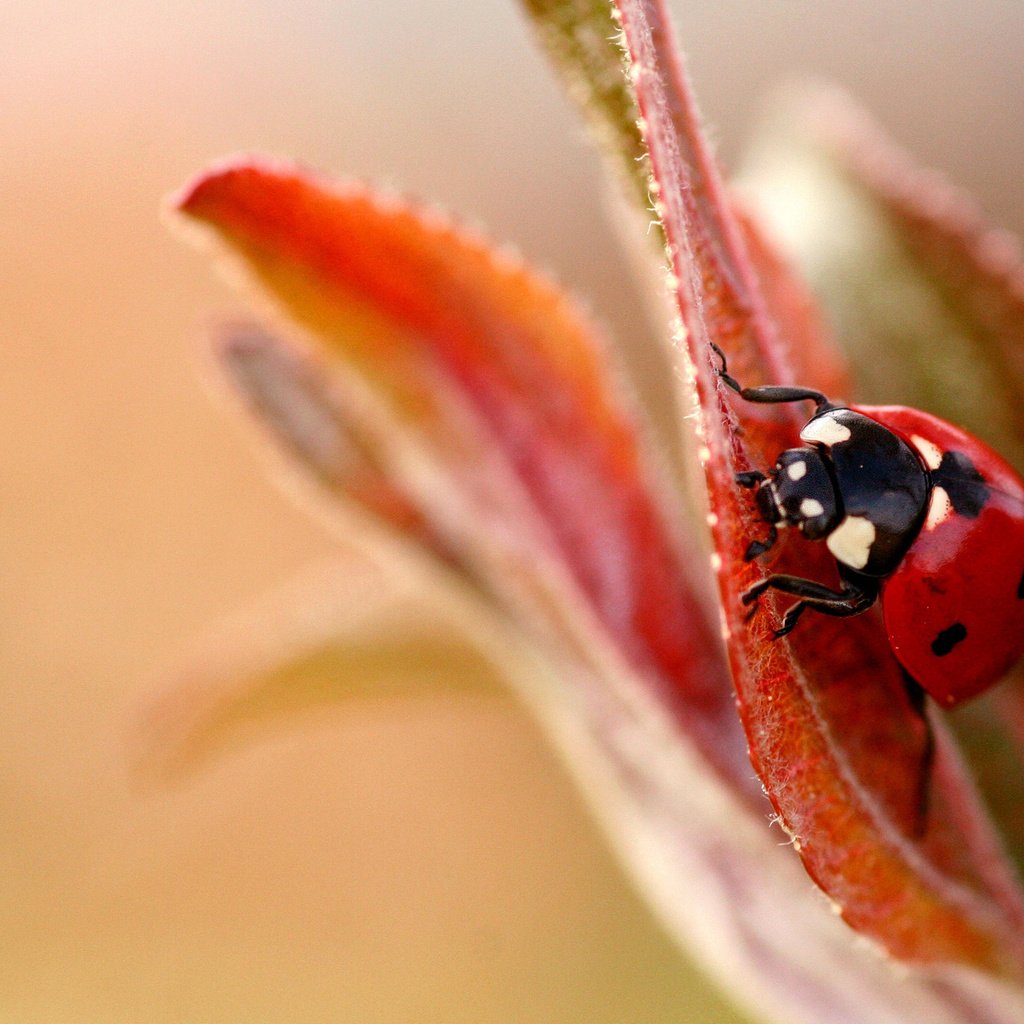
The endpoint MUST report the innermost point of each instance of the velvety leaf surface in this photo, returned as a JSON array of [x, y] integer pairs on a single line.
[[831, 732], [491, 406], [923, 292]]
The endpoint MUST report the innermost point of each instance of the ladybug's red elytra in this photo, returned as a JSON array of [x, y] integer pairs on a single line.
[[916, 512]]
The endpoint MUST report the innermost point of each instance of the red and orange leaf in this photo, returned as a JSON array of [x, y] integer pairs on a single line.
[[493, 410], [831, 732]]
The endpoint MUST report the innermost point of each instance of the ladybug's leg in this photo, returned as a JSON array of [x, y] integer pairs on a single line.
[[850, 600], [750, 479], [840, 609], [916, 695], [768, 394], [756, 548], [809, 589], [771, 395]]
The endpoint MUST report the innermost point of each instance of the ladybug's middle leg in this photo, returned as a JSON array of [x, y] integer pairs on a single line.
[[852, 599], [918, 703]]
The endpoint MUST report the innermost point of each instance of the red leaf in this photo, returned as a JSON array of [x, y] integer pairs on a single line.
[[493, 409], [830, 729]]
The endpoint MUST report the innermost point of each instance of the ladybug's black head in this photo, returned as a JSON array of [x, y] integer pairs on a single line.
[[799, 492]]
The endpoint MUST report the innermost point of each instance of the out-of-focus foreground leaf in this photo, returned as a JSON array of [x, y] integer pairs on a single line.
[[492, 408]]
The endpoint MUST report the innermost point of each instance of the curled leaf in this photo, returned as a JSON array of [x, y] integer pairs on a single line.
[[464, 400]]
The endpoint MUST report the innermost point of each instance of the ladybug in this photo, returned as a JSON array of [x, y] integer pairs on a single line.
[[917, 513]]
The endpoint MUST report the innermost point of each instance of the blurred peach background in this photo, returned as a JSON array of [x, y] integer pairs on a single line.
[[439, 867]]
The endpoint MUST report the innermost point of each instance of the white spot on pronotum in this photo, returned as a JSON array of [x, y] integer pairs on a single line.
[[851, 541], [940, 508], [796, 470], [930, 452], [825, 430], [716, 562], [811, 507]]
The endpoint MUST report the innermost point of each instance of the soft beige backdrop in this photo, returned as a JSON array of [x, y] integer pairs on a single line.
[[415, 863]]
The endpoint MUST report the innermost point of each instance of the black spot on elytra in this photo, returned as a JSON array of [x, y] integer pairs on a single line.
[[959, 478], [1020, 588], [948, 639]]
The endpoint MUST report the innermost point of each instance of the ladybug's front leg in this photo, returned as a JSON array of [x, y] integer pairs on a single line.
[[769, 394], [748, 480], [852, 599]]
